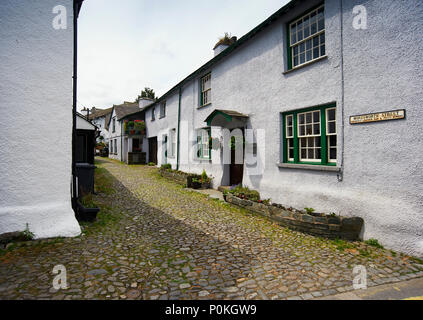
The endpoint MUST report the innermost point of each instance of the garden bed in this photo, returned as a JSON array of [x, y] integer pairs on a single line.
[[328, 226], [190, 180]]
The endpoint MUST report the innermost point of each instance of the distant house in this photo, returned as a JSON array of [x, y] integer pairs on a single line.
[[126, 136], [86, 133], [100, 118], [38, 126]]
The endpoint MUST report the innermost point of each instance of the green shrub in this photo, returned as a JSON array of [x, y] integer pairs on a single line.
[[151, 164], [26, 234], [309, 210], [245, 193], [87, 201], [166, 166], [373, 243]]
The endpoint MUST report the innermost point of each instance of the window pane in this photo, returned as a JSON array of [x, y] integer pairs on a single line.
[[316, 116], [322, 50], [302, 47], [318, 153], [332, 154], [293, 38], [300, 35], [317, 142], [302, 58], [331, 127], [310, 142], [291, 153], [301, 118], [309, 55], [331, 114], [306, 32], [295, 50], [321, 24], [309, 129], [313, 28], [302, 130], [295, 61], [315, 53], [289, 120], [289, 134], [322, 38], [332, 141], [310, 153], [316, 128], [308, 117], [308, 44]]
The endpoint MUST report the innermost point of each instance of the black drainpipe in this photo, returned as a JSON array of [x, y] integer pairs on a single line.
[[76, 6], [179, 126]]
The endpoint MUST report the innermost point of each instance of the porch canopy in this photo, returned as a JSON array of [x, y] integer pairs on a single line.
[[222, 118]]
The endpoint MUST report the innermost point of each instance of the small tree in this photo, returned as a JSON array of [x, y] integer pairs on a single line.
[[147, 93]]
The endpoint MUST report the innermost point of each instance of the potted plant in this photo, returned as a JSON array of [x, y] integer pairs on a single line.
[[205, 180], [196, 183], [86, 208]]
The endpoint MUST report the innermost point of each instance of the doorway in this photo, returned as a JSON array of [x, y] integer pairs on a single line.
[[152, 150], [236, 170]]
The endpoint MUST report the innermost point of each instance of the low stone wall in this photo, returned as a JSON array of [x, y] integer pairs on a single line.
[[326, 226]]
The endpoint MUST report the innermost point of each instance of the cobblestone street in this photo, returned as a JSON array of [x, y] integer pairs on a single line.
[[156, 240]]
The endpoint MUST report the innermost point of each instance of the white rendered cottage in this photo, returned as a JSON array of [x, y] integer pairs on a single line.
[[38, 104]]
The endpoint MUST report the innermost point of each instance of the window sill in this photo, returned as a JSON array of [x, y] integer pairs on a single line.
[[309, 167], [305, 64], [204, 105]]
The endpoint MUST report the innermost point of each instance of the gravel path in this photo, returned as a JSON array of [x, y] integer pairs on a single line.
[[156, 240]]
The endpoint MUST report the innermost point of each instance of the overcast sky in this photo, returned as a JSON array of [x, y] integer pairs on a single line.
[[127, 45]]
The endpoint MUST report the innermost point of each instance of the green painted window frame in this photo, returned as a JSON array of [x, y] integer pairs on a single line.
[[200, 89], [200, 155], [323, 142], [288, 37]]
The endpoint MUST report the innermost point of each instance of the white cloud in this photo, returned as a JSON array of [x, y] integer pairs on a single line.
[[131, 44]]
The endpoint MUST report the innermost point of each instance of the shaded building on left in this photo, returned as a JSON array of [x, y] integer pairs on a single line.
[[38, 102]]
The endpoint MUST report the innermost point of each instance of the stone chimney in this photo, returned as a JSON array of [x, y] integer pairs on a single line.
[[223, 43], [143, 102]]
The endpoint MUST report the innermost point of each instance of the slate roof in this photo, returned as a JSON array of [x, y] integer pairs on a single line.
[[100, 113], [126, 108]]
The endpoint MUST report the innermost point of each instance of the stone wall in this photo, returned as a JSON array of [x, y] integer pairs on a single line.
[[177, 176], [326, 226]]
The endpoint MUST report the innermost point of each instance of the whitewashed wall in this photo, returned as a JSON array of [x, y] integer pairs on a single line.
[[115, 135], [36, 64], [383, 180]]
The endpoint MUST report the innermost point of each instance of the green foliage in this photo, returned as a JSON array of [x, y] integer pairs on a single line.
[[309, 210], [146, 93], [374, 243], [166, 166], [87, 201], [27, 235], [332, 214], [151, 164], [103, 181], [341, 245]]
